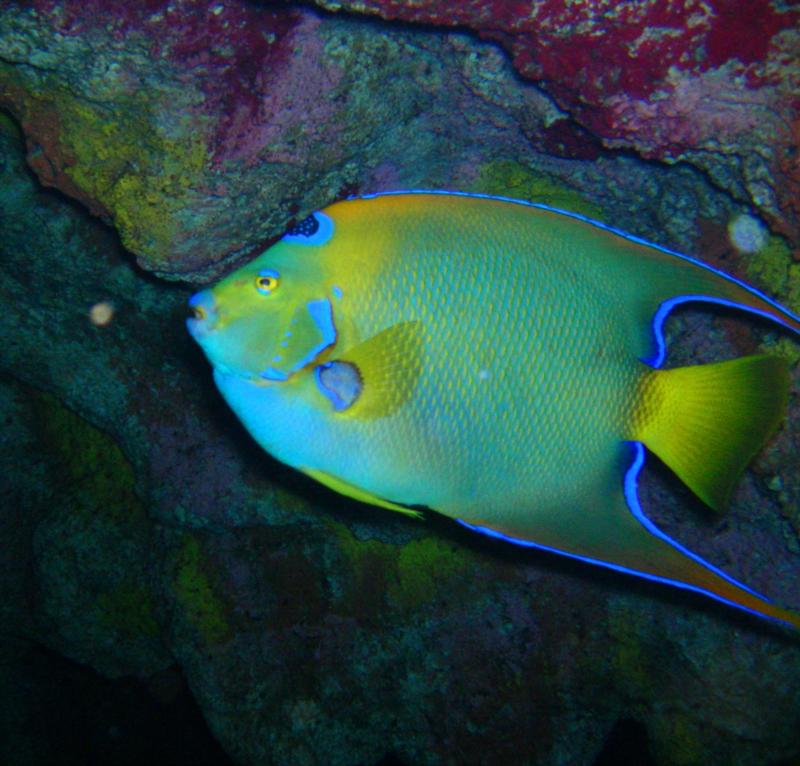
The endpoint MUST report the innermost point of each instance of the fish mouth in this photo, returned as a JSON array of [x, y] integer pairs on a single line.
[[204, 315], [203, 334], [197, 326]]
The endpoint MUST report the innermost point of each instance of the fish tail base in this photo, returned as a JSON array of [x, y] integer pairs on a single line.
[[706, 422]]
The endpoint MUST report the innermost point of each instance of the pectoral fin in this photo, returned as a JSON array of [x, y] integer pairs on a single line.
[[621, 537], [388, 366]]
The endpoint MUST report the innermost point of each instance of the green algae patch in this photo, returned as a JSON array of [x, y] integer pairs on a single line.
[[128, 158], [128, 609], [507, 178], [630, 660], [93, 558], [368, 565], [193, 588], [135, 170], [423, 568], [409, 575], [769, 267], [89, 465], [773, 269]]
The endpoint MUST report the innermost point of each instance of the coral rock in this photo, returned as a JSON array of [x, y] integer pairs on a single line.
[[711, 83]]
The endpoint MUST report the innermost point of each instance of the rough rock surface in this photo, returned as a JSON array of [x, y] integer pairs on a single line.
[[710, 82], [200, 129], [141, 528]]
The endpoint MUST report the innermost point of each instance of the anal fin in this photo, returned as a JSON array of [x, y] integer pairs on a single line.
[[619, 536]]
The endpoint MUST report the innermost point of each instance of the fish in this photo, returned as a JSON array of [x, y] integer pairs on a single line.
[[499, 362]]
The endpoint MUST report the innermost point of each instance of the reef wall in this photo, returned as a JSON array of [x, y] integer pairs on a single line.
[[145, 147]]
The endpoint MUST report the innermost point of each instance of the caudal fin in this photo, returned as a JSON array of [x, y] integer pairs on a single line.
[[707, 422]]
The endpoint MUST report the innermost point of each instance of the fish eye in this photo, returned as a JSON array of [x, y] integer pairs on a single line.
[[266, 281]]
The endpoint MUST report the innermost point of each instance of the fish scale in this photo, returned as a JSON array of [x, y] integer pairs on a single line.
[[444, 444], [503, 367]]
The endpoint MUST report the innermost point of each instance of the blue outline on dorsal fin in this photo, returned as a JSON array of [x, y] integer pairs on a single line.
[[657, 358], [632, 501], [550, 209]]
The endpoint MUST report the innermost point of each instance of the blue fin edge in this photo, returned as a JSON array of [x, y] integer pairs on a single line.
[[632, 500], [660, 353]]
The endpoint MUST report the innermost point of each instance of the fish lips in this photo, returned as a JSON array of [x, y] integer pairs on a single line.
[[198, 328]]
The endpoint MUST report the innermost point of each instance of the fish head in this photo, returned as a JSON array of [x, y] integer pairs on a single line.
[[272, 317]]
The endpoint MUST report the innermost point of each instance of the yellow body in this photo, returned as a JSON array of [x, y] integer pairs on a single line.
[[499, 354]]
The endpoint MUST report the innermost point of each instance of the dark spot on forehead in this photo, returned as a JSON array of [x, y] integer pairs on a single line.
[[306, 228]]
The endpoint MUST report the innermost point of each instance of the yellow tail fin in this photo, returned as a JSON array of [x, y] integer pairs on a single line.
[[707, 422]]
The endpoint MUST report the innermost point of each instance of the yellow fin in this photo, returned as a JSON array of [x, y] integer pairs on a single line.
[[349, 490], [389, 365], [707, 422]]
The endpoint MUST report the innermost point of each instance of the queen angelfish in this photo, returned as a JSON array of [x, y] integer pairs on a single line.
[[498, 362]]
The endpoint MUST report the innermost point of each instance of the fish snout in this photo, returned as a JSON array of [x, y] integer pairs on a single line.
[[204, 314]]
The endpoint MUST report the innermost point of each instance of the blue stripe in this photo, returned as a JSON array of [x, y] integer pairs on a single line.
[[322, 315], [630, 486], [632, 501], [272, 374]]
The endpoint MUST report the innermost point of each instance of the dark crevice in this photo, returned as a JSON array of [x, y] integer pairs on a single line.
[[390, 759], [626, 745], [64, 713]]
